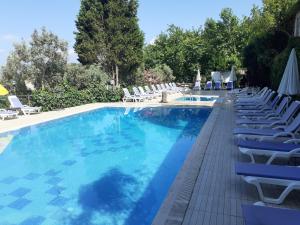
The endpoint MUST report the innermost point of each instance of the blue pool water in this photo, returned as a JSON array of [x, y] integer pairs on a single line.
[[196, 99], [108, 166]]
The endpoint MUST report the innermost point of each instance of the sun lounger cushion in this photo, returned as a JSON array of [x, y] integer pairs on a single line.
[[267, 145], [261, 215], [253, 131], [268, 171]]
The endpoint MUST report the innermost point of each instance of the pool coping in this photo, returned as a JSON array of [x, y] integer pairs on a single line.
[[174, 206]]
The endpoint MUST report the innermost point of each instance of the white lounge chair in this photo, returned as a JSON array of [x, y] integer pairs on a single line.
[[260, 174], [128, 96], [8, 114], [26, 110]]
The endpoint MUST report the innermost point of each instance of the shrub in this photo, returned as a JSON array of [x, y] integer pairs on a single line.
[[259, 56], [280, 61], [81, 76], [160, 73], [64, 96]]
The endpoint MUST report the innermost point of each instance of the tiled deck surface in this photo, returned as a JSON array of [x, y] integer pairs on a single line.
[[217, 192]]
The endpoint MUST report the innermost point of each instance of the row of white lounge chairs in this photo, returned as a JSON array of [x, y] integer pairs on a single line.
[[16, 106], [268, 125], [147, 93]]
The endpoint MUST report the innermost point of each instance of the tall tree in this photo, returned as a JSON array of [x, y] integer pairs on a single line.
[[42, 61], [90, 38], [114, 24], [48, 56], [179, 49]]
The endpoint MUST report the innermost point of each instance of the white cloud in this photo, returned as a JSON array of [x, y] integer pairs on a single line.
[[72, 56]]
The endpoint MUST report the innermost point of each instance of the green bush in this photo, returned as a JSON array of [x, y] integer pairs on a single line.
[[280, 61], [64, 96], [259, 56]]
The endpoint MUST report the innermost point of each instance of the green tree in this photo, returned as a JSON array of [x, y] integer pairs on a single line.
[[41, 62], [16, 70], [90, 37], [179, 49], [276, 10], [115, 36], [48, 57], [82, 76], [224, 42]]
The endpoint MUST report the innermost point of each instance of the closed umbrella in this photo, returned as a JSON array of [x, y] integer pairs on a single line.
[[198, 81], [198, 78], [290, 83], [3, 90], [232, 76]]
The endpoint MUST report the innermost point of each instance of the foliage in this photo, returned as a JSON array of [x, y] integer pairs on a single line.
[[81, 76], [217, 46], [259, 56], [108, 33], [180, 50], [64, 95], [42, 62], [277, 10], [16, 68], [263, 57], [280, 61], [159, 74], [48, 58], [224, 41]]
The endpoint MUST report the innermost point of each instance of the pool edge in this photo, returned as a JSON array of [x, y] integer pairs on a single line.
[[174, 206]]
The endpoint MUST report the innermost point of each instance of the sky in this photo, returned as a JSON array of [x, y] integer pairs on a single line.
[[18, 18]]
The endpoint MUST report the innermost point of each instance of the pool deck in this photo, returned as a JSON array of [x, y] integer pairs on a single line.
[[207, 191]]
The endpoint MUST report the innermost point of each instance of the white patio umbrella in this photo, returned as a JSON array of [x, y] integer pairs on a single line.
[[198, 80], [198, 77], [232, 76], [290, 82]]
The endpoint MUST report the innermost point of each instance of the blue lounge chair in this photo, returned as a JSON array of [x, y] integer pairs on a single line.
[[254, 98], [270, 118], [258, 174], [268, 104], [262, 215], [229, 85], [208, 85], [258, 101], [272, 149], [218, 85], [280, 131]]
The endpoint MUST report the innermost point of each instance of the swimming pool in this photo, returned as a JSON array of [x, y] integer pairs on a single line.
[[197, 99], [108, 166]]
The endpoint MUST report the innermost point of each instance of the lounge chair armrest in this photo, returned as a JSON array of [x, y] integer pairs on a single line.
[[279, 127], [280, 122], [280, 134], [294, 140], [271, 115]]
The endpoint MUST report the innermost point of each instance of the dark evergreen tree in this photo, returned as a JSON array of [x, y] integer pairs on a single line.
[[109, 34]]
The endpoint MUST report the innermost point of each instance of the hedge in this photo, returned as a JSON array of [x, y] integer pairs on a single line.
[[64, 96], [280, 61]]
